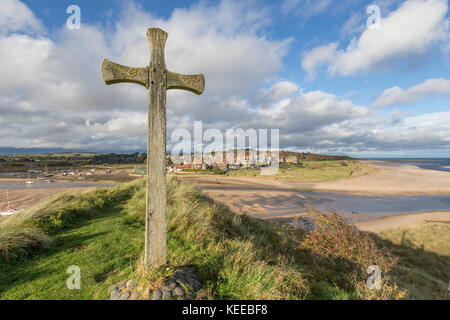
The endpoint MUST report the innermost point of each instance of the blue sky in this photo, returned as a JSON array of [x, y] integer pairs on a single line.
[[312, 69]]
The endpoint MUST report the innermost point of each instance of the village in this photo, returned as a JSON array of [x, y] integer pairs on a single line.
[[240, 159], [82, 166]]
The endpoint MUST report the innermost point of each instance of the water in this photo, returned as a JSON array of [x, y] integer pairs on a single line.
[[13, 174], [363, 208], [287, 201], [21, 185], [440, 164]]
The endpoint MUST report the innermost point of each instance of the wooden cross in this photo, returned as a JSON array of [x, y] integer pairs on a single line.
[[157, 79]]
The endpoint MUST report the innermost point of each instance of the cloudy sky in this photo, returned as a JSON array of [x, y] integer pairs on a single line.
[[311, 68]]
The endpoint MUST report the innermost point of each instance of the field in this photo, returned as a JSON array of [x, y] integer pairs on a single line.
[[311, 171], [237, 257], [72, 161]]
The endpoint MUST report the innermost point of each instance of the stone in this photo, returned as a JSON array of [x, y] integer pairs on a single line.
[[157, 79], [112, 287], [194, 276], [131, 284], [182, 282], [125, 295], [157, 295], [178, 275], [178, 292], [196, 283], [171, 285], [123, 286], [166, 294], [135, 295], [114, 294]]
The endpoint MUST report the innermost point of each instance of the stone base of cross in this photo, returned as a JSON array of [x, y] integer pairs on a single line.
[[157, 79]]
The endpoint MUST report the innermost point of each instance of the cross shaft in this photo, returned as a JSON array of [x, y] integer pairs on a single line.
[[157, 79]]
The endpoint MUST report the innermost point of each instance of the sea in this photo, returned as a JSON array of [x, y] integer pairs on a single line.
[[439, 164]]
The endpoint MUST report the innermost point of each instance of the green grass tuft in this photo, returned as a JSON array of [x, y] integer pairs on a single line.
[[312, 171]]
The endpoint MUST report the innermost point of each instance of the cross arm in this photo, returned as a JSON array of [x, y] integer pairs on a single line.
[[116, 73], [193, 83]]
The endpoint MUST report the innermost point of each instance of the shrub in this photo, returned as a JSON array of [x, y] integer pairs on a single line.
[[341, 254], [217, 170]]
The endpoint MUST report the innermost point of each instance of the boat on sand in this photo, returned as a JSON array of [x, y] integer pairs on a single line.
[[11, 210]]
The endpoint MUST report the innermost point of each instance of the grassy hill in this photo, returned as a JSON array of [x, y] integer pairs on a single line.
[[237, 257], [312, 171]]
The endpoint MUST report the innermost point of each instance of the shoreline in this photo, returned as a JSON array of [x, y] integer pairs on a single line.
[[62, 180], [24, 199], [271, 199]]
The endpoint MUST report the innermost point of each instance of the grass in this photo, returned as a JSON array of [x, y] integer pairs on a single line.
[[89, 230], [312, 171], [105, 247], [424, 265], [237, 257]]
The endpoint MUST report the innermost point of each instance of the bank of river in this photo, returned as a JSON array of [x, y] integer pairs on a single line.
[[22, 195], [21, 185], [364, 208], [274, 199]]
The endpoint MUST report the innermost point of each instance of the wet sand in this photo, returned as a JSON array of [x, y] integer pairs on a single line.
[[388, 197], [24, 196], [24, 199]]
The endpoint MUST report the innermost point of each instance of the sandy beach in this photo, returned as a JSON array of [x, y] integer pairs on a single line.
[[270, 199], [403, 179], [24, 199], [24, 196], [405, 220]]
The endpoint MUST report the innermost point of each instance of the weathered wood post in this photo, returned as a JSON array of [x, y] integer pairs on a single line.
[[157, 79]]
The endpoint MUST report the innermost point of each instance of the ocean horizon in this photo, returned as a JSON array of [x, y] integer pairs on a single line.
[[439, 164]]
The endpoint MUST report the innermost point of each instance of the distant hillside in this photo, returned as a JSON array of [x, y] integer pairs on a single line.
[[307, 156]]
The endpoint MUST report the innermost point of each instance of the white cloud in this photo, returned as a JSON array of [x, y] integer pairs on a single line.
[[409, 30], [302, 111], [317, 57], [398, 96], [52, 92], [279, 91], [424, 131], [354, 25], [376, 134], [223, 42], [16, 16]]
